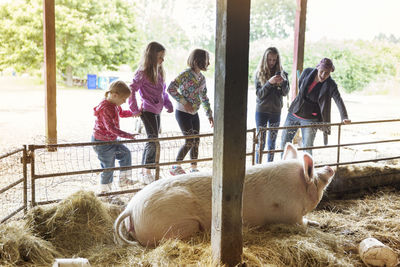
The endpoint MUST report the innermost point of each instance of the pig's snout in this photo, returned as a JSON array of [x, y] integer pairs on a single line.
[[330, 171], [326, 174]]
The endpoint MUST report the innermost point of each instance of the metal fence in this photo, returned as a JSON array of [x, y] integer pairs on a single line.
[[58, 170]]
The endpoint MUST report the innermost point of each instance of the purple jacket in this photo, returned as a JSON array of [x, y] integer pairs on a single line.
[[154, 97]]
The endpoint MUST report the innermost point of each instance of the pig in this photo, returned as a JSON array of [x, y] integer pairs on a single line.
[[180, 206]]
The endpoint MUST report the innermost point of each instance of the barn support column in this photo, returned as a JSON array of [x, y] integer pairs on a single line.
[[49, 42], [299, 38], [231, 84]]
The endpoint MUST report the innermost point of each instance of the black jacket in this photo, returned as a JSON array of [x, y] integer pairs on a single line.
[[269, 97], [328, 91]]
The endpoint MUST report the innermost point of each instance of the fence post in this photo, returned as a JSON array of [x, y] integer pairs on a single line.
[[157, 174], [338, 148], [32, 161], [25, 173], [255, 141]]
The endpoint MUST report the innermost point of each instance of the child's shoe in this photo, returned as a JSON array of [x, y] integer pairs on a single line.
[[105, 188], [147, 178], [124, 178], [176, 170]]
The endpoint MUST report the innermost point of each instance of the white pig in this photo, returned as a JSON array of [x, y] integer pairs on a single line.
[[180, 206]]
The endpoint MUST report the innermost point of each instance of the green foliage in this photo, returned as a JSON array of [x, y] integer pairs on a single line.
[[272, 19], [90, 35], [357, 62], [21, 43]]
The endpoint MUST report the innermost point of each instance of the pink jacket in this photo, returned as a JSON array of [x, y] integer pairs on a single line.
[[154, 96], [106, 127]]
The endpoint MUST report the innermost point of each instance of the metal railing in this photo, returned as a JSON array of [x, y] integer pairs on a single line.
[[58, 163]]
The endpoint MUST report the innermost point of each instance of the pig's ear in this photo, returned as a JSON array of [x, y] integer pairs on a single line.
[[290, 152], [308, 164]]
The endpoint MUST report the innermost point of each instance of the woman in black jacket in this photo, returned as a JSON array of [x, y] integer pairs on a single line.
[[313, 104], [272, 84]]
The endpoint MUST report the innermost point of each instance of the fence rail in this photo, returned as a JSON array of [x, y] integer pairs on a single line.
[[56, 170]]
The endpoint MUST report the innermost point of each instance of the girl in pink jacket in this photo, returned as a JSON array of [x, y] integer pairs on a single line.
[[149, 81]]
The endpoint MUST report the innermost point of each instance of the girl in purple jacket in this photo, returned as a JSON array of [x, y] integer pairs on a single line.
[[149, 80]]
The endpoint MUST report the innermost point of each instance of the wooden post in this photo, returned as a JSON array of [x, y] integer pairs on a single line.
[[231, 84], [49, 42], [299, 38]]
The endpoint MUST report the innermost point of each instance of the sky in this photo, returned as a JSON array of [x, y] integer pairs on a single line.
[[352, 19]]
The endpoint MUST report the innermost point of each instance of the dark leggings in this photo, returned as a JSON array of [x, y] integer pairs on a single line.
[[151, 123], [190, 125]]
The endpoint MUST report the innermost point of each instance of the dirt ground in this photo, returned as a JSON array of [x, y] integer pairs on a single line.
[[22, 112]]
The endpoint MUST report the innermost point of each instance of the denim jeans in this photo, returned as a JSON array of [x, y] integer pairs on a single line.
[[265, 119], [190, 125], [308, 134], [107, 154], [152, 124]]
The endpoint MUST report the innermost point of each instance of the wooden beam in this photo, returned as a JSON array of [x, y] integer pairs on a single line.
[[231, 83], [299, 39], [49, 42]]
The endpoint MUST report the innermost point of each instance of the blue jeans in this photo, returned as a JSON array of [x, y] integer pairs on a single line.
[[308, 134], [107, 154], [264, 119]]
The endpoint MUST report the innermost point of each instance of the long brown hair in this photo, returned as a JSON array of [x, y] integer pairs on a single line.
[[263, 73], [149, 62]]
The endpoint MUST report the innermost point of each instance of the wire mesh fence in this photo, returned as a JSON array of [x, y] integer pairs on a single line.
[[13, 184], [56, 171]]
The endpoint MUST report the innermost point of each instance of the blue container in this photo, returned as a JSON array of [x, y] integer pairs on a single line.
[[91, 81], [102, 82], [112, 78]]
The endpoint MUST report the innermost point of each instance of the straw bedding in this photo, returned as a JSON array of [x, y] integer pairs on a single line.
[[81, 226]]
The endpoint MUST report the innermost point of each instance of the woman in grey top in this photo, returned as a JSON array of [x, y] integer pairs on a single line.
[[272, 84]]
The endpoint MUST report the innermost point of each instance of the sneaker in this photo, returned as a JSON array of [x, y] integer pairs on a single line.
[[147, 178], [176, 170], [194, 170], [126, 182]]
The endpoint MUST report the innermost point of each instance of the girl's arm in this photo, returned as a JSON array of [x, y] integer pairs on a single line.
[[136, 84], [206, 102], [285, 84], [173, 90], [108, 121], [262, 90], [124, 113], [167, 103]]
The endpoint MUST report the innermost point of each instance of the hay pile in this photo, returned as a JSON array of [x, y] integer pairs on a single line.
[[81, 226], [78, 223], [18, 246]]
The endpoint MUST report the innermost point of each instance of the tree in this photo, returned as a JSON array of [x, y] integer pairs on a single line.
[[272, 19], [90, 35]]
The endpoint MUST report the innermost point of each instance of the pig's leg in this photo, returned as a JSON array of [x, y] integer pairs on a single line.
[[184, 229], [307, 222]]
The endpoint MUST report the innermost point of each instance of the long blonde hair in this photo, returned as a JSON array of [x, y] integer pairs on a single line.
[[149, 64], [119, 87], [263, 73]]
